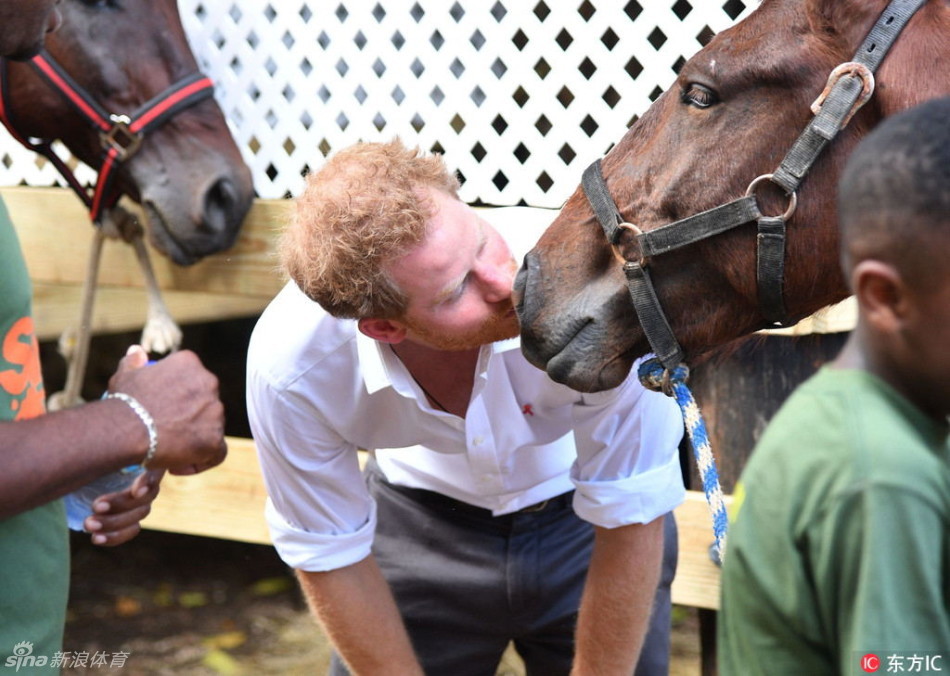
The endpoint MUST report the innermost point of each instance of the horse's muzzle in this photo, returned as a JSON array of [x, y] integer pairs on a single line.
[[527, 305]]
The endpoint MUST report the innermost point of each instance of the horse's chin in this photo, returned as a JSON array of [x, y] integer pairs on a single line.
[[589, 373], [576, 353], [164, 241]]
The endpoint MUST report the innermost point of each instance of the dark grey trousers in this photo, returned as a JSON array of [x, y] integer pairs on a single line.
[[468, 583]]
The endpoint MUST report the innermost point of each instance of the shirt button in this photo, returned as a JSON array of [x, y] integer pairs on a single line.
[[477, 441]]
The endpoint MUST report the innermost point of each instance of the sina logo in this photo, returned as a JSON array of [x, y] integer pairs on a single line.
[[23, 656]]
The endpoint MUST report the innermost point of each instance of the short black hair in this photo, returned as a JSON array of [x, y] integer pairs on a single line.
[[894, 195]]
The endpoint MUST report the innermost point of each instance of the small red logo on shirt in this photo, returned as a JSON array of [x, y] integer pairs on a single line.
[[527, 410]]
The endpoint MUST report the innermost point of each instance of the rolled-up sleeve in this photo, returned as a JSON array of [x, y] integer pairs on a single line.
[[306, 550], [319, 512], [627, 468]]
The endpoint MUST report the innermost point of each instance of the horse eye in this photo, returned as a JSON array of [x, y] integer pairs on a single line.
[[698, 95]]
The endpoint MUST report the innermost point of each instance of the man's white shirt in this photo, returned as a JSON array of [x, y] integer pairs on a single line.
[[318, 390]]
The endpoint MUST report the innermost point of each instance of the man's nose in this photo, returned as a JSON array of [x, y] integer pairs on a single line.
[[496, 282]]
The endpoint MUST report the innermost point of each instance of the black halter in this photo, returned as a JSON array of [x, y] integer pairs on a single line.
[[120, 135], [849, 87]]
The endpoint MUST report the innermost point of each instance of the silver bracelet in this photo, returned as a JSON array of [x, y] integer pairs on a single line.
[[145, 417]]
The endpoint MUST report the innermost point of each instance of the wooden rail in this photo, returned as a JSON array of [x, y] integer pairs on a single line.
[[226, 502], [55, 234]]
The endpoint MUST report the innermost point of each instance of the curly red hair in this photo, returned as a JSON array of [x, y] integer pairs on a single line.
[[366, 206]]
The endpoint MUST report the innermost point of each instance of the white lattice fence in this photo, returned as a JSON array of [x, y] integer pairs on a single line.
[[519, 95]]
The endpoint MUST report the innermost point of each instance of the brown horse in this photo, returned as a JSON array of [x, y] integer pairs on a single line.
[[735, 110], [187, 173]]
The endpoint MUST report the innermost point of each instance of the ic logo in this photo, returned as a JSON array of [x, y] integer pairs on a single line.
[[870, 663]]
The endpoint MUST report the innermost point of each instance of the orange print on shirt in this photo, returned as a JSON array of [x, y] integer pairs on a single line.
[[23, 382]]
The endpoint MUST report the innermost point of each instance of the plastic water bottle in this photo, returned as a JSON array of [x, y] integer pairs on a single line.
[[79, 502]]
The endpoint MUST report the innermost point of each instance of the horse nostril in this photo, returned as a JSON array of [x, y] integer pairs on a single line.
[[519, 284], [219, 203], [526, 284], [517, 289]]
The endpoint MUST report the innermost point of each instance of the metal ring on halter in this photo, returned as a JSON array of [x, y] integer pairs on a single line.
[[792, 197], [641, 259]]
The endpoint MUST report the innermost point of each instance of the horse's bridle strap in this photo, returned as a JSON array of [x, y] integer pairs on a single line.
[[845, 95], [120, 135], [601, 202], [652, 318], [43, 147], [180, 95], [847, 90], [822, 129], [674, 235], [700, 226], [770, 267], [640, 286]]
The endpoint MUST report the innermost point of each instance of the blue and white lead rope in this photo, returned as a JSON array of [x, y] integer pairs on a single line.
[[655, 377]]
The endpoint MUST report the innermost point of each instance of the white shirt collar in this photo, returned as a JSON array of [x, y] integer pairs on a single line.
[[377, 373]]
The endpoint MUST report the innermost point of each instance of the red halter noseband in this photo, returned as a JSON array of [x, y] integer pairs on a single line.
[[120, 135]]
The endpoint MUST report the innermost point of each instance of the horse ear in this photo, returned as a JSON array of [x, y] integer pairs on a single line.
[[383, 330]]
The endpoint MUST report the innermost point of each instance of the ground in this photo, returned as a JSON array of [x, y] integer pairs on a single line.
[[191, 606]]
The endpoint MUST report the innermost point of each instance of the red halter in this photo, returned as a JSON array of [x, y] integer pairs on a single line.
[[119, 135]]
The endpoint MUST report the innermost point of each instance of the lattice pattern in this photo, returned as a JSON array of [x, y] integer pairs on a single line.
[[519, 95]]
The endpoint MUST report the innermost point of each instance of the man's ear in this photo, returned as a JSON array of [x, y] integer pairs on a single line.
[[881, 293], [383, 330]]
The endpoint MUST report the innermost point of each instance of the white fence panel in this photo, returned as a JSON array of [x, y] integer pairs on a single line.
[[519, 95]]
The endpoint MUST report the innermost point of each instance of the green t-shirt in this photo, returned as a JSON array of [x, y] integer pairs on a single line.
[[34, 545], [839, 549]]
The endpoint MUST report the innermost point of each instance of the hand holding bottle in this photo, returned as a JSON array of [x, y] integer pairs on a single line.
[[181, 398], [182, 429]]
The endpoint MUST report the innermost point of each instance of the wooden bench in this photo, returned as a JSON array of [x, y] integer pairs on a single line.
[[228, 502]]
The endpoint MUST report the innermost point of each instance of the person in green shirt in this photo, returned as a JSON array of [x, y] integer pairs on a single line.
[[176, 424], [838, 559]]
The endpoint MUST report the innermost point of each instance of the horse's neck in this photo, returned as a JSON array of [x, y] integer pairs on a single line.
[[917, 67]]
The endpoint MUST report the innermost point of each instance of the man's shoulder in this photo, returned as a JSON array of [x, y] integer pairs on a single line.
[[294, 334]]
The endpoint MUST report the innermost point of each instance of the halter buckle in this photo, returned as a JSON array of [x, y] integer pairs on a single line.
[[792, 196], [851, 69], [120, 138]]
